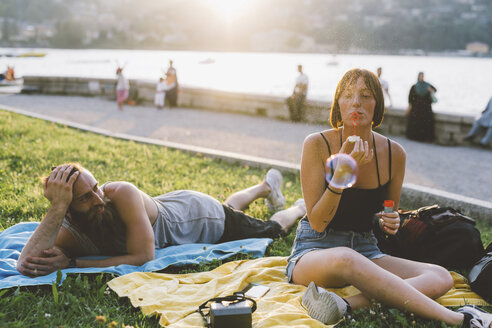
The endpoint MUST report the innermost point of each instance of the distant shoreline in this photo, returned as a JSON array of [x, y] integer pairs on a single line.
[[360, 52]]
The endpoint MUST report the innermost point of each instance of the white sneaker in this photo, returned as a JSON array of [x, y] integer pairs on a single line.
[[480, 318], [275, 201], [300, 202], [322, 305]]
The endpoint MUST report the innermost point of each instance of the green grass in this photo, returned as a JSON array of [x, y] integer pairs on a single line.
[[30, 147]]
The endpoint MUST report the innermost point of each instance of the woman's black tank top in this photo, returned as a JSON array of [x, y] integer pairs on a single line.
[[357, 206]]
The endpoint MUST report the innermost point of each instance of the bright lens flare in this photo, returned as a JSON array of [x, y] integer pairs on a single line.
[[229, 9]]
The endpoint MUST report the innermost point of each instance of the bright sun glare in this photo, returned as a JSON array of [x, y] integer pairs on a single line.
[[229, 9]]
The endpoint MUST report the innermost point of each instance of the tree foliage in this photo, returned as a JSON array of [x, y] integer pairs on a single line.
[[378, 25], [69, 34]]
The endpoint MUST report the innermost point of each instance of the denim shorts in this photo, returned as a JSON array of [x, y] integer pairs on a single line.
[[308, 240]]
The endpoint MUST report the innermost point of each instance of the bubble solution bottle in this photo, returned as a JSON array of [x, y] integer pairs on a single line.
[[388, 206]]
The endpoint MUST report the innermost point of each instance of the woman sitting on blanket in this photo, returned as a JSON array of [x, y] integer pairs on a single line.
[[335, 245]]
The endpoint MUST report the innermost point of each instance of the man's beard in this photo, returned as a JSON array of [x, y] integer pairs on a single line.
[[81, 218], [102, 228]]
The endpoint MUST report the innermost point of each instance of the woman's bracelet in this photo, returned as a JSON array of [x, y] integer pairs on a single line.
[[333, 191]]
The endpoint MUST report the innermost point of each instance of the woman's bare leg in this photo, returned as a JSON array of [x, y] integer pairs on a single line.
[[431, 280], [337, 267]]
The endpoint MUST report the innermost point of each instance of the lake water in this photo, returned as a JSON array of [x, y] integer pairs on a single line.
[[464, 83]]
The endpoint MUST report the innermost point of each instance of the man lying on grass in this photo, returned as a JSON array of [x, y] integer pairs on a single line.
[[123, 222]]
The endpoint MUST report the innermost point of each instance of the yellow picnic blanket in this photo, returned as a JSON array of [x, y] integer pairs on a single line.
[[176, 297]]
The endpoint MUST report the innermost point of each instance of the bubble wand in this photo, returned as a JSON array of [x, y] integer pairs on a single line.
[[355, 117]]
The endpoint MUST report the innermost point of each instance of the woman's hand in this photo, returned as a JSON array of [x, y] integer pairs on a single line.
[[389, 222], [360, 152]]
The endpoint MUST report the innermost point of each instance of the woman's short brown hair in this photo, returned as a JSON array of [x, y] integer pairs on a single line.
[[372, 83]]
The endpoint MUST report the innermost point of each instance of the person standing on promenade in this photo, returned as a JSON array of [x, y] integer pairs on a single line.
[[160, 93], [420, 118], [163, 86], [385, 87], [121, 221], [481, 125], [122, 88], [172, 79], [335, 244], [296, 100]]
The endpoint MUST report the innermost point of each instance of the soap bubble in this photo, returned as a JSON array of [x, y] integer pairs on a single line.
[[347, 171]]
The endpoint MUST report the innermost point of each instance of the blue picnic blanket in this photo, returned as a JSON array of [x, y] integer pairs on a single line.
[[13, 239]]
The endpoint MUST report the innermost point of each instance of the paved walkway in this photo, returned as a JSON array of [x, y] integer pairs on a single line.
[[461, 170]]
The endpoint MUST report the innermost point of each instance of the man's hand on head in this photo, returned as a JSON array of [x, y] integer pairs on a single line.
[[53, 259], [58, 186], [39, 256]]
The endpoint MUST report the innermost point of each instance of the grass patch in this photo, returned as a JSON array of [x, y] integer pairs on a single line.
[[30, 147]]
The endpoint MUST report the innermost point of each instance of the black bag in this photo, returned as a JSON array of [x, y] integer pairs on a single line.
[[480, 276], [432, 234], [236, 312]]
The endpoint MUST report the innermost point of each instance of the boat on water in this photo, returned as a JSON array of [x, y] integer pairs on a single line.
[[333, 61], [207, 61], [32, 54]]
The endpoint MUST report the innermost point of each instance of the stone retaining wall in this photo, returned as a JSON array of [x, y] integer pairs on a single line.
[[412, 196], [450, 129]]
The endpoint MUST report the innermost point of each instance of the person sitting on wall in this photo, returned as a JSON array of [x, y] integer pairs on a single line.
[[385, 87], [482, 125], [10, 74], [296, 101], [123, 222]]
